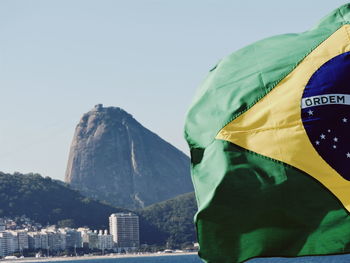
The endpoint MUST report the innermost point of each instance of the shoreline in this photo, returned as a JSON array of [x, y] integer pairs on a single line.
[[57, 259]]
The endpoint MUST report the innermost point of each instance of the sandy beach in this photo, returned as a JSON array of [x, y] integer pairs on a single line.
[[55, 259]]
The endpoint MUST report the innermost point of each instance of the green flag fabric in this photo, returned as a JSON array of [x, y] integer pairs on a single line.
[[269, 138]]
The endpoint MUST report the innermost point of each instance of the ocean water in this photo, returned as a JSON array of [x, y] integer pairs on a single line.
[[320, 259], [195, 259], [160, 259]]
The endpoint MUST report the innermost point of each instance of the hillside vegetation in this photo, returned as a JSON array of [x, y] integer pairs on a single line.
[[173, 219], [48, 201]]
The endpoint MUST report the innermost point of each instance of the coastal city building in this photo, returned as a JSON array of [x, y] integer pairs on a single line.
[[2, 246], [124, 235], [44, 239], [2, 225], [124, 227], [73, 237], [90, 239], [34, 240], [22, 237], [4, 243], [12, 242], [105, 241]]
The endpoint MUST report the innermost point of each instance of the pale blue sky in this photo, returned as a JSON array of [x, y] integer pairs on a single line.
[[58, 58]]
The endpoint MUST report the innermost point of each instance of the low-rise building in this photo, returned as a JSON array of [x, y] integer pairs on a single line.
[[12, 242], [105, 241], [72, 237], [56, 241], [89, 238], [3, 247], [9, 242], [2, 225], [44, 240], [34, 240], [22, 236]]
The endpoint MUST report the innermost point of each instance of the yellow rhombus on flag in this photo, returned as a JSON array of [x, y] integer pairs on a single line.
[[269, 133]]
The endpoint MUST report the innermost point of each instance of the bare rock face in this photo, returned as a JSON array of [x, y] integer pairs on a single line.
[[115, 159]]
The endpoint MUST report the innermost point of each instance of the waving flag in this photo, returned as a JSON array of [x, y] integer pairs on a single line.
[[269, 133]]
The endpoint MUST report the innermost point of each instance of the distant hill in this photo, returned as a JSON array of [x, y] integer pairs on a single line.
[[49, 201], [173, 220], [115, 159]]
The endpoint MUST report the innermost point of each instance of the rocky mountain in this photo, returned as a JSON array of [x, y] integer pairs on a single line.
[[115, 159]]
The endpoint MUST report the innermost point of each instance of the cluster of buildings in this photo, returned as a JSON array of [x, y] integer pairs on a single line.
[[21, 222], [123, 235]]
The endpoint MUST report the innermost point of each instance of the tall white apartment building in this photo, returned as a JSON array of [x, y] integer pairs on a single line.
[[124, 228]]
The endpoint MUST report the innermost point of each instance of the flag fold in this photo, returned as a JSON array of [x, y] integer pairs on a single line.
[[268, 133]]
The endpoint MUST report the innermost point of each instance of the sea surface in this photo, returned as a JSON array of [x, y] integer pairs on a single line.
[[195, 259]]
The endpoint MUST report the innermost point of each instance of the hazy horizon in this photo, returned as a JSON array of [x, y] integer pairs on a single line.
[[60, 58]]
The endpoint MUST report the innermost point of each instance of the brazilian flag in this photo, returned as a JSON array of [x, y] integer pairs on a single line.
[[269, 134]]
